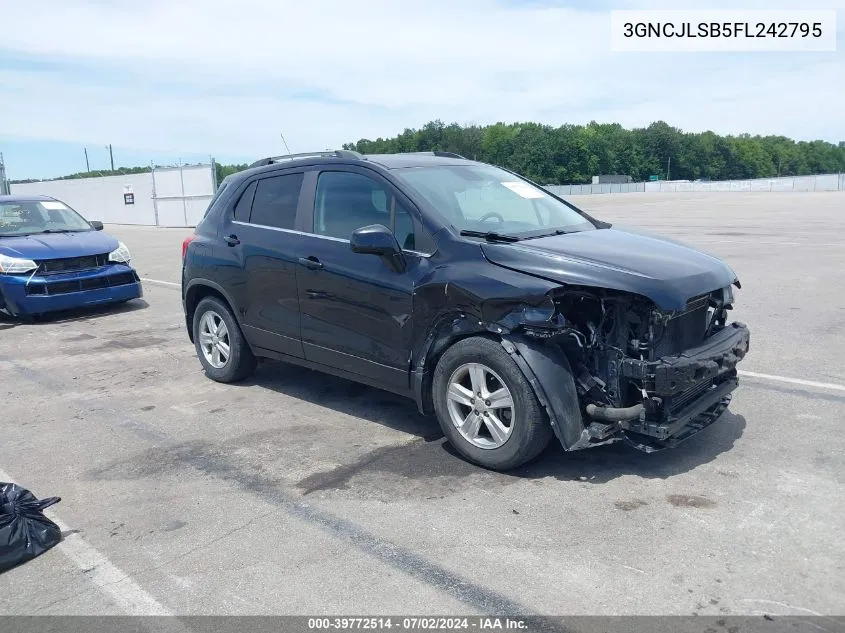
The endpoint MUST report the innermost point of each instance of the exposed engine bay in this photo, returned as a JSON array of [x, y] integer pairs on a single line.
[[649, 376]]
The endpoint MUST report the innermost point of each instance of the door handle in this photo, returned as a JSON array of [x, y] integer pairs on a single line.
[[311, 262], [232, 240]]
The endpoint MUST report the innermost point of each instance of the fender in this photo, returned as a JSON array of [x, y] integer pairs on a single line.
[[548, 371], [448, 328], [482, 300], [198, 281]]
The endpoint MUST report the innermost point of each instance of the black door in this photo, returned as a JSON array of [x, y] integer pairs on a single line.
[[263, 236], [356, 309]]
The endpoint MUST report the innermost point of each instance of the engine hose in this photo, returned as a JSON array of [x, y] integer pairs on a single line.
[[614, 414]]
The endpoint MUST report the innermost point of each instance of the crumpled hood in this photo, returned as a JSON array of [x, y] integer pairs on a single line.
[[58, 245], [665, 271]]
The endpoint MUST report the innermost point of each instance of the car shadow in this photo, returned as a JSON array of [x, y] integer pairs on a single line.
[[345, 396], [596, 465], [604, 463], [77, 314]]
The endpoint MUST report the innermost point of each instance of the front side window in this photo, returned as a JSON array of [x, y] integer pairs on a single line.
[[347, 201], [28, 217], [486, 198], [275, 201]]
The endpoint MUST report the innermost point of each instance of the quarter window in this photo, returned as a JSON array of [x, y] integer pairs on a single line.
[[244, 205], [410, 233]]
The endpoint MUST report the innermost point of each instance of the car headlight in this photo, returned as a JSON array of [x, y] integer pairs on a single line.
[[540, 314], [121, 254], [16, 265]]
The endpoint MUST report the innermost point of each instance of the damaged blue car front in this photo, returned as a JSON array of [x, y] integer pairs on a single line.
[[53, 259]]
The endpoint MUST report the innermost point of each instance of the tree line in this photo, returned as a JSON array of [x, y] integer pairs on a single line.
[[221, 171], [573, 154], [90, 174]]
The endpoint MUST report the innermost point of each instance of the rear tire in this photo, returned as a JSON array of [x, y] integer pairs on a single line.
[[505, 426], [221, 347]]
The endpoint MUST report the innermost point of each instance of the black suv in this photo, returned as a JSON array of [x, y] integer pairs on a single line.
[[500, 307]]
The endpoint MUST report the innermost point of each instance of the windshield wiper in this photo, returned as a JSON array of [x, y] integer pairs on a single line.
[[491, 236], [555, 232], [40, 232]]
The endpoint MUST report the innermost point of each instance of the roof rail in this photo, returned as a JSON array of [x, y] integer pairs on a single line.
[[439, 153], [337, 153]]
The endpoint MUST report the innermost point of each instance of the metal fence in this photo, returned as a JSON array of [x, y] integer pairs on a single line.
[[181, 194], [822, 182]]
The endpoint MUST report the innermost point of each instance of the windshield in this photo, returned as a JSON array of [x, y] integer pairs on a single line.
[[488, 199], [28, 217]]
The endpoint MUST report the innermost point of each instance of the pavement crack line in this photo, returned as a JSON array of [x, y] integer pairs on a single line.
[[483, 599], [43, 607], [107, 586], [782, 604], [193, 550]]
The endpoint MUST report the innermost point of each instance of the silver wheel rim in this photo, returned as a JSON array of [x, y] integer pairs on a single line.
[[214, 339], [480, 406]]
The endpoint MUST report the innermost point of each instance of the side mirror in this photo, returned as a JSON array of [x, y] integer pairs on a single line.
[[97, 226], [377, 239]]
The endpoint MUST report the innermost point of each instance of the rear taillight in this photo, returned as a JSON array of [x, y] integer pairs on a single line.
[[185, 243]]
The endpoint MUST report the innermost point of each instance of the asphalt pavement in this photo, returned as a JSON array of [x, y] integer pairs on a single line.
[[299, 493]]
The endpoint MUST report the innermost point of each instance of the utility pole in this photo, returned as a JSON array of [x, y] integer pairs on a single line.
[[87, 166], [668, 163], [214, 183], [111, 157], [4, 184]]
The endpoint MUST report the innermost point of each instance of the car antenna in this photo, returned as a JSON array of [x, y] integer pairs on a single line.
[[285, 143]]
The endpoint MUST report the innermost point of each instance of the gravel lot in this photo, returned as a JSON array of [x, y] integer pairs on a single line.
[[298, 493]]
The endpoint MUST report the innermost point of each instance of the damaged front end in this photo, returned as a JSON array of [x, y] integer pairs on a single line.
[[648, 376]]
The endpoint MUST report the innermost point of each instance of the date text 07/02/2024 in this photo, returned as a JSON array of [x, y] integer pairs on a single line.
[[417, 623]]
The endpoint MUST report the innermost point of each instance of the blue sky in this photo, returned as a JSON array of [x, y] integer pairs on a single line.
[[164, 81]]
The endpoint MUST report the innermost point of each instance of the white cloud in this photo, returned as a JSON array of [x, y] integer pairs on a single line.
[[164, 67]]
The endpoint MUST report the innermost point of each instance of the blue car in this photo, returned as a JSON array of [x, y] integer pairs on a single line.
[[51, 259]]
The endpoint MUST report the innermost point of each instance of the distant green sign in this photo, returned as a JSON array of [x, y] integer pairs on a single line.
[[654, 177]]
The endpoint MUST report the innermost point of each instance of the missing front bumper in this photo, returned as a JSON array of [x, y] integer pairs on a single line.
[[653, 435], [694, 389], [671, 375]]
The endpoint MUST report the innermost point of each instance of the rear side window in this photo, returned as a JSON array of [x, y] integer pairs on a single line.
[[245, 203], [275, 201]]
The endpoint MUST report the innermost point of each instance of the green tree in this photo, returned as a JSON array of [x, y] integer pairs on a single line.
[[573, 154]]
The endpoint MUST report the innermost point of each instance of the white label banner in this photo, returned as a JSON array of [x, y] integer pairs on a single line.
[[726, 30]]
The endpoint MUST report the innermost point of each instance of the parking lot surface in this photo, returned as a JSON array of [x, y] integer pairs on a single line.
[[299, 493]]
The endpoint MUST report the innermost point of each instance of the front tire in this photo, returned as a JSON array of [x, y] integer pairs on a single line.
[[221, 347], [486, 407]]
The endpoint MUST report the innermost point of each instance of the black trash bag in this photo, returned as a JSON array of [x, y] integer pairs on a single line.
[[24, 530]]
